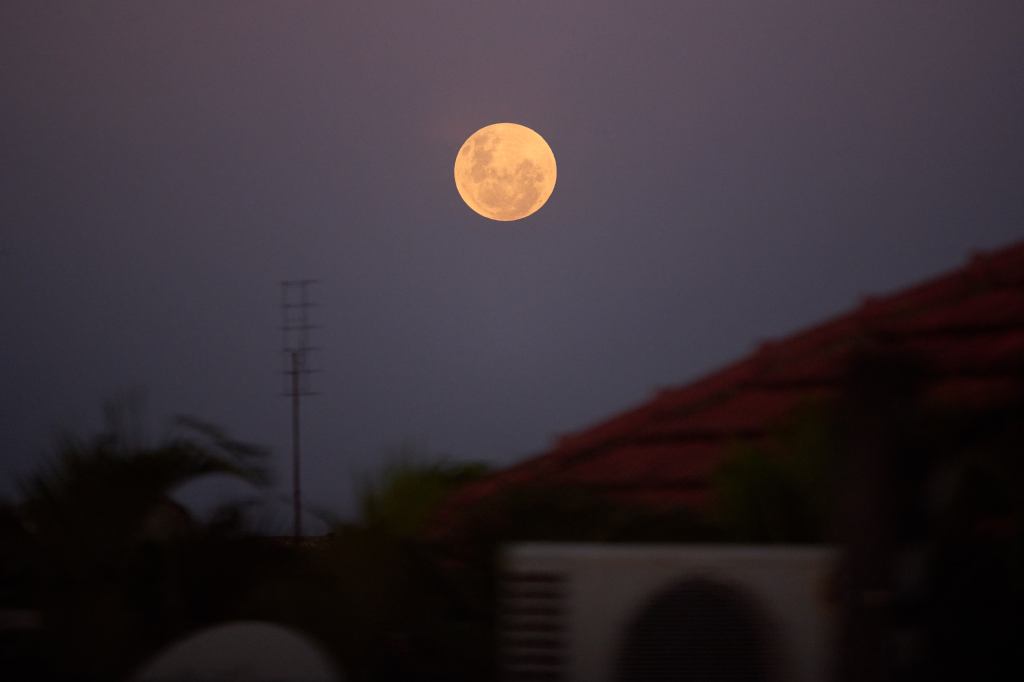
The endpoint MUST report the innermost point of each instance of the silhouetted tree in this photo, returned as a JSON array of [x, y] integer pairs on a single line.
[[931, 522], [106, 554], [404, 497], [780, 490]]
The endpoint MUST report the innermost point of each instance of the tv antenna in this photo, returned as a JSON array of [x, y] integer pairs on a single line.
[[295, 330]]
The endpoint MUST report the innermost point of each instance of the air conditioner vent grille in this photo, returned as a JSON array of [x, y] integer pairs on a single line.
[[699, 629], [533, 612]]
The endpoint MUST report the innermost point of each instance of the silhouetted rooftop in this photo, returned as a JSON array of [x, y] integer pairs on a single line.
[[966, 328]]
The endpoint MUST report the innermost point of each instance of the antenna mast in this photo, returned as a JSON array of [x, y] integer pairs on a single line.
[[295, 330]]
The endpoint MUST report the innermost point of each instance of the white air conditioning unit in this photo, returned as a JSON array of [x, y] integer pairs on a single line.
[[604, 613]]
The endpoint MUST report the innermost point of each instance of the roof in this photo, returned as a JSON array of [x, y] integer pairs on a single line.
[[965, 327]]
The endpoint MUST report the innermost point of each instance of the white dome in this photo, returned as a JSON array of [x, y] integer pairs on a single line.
[[243, 650]]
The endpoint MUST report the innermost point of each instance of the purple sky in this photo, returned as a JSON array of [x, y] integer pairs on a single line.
[[727, 172]]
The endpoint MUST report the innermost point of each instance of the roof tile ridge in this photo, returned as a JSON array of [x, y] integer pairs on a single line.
[[979, 268], [570, 448]]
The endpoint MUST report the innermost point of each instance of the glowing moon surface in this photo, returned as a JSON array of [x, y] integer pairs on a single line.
[[505, 171]]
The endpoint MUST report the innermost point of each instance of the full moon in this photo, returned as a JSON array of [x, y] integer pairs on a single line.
[[505, 171]]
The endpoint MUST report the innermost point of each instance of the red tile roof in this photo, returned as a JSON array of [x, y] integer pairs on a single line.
[[966, 327]]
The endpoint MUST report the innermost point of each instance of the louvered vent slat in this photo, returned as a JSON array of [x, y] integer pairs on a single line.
[[533, 627]]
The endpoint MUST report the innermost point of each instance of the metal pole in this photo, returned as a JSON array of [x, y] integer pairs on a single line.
[[295, 330], [296, 447]]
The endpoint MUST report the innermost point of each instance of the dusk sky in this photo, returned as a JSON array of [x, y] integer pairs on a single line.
[[728, 172]]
